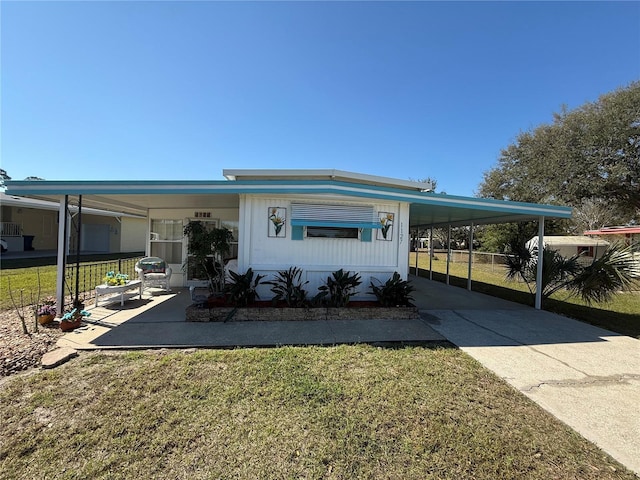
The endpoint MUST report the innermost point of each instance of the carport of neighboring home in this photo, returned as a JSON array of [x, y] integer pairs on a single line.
[[317, 220]]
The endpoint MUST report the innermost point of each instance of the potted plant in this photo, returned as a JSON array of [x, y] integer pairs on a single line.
[[73, 319], [112, 279], [207, 248], [46, 311]]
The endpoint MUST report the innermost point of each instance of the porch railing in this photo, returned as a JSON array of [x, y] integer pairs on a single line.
[[10, 229], [91, 274]]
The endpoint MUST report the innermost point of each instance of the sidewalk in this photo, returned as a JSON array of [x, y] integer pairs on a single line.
[[158, 321]]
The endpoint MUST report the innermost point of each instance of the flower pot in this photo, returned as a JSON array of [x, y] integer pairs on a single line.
[[44, 319], [67, 325]]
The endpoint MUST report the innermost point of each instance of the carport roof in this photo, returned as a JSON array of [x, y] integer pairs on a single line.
[[426, 208]]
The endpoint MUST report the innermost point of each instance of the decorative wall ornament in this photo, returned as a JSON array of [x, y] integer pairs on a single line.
[[277, 222], [386, 223]]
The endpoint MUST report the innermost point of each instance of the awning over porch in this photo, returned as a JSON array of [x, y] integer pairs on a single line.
[[428, 209]]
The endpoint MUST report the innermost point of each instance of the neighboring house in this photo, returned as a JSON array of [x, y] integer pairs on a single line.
[[32, 224], [627, 235], [570, 245], [318, 220]]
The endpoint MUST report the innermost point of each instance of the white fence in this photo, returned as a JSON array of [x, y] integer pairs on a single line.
[[10, 229], [493, 261]]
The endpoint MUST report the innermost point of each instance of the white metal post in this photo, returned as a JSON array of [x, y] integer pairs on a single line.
[[417, 246], [63, 223], [470, 256], [540, 261], [431, 253], [448, 251]]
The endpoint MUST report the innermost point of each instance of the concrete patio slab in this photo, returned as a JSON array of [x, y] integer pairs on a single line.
[[158, 322]]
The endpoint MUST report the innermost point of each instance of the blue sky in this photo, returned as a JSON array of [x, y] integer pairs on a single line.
[[182, 90]]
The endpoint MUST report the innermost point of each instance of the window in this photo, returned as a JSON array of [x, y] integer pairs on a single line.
[[233, 226], [342, 216], [166, 240], [586, 251], [332, 232]]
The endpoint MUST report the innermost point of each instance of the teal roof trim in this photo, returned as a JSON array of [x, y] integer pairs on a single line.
[[480, 209]]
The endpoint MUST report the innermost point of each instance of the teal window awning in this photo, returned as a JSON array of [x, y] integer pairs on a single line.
[[346, 216]]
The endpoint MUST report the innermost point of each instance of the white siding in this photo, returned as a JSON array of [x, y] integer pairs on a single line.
[[319, 257], [133, 234]]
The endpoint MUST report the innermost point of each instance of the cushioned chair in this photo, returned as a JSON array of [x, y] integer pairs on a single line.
[[154, 272], [230, 266]]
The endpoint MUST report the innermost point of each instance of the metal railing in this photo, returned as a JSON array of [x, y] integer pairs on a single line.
[[10, 229], [92, 274], [491, 260]]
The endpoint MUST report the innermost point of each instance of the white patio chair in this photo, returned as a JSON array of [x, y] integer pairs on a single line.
[[154, 273], [230, 266]]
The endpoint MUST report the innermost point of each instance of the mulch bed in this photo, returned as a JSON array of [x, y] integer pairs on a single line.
[[19, 351]]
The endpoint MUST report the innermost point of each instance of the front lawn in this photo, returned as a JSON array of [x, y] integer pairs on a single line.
[[344, 412]]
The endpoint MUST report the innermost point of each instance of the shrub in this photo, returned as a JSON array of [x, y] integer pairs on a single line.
[[241, 290], [394, 292], [339, 288], [288, 287]]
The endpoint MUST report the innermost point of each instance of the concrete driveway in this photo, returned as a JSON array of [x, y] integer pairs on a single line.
[[587, 377]]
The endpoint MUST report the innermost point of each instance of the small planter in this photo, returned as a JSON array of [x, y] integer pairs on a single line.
[[45, 319], [68, 325]]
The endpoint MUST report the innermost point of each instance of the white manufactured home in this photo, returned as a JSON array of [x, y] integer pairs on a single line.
[[317, 220], [570, 245]]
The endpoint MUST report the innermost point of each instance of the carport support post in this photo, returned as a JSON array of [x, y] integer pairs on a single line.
[[76, 302], [470, 256], [416, 242], [63, 227], [431, 253], [540, 257], [448, 251]]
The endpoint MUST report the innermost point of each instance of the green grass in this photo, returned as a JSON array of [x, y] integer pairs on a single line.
[[25, 280], [343, 412], [622, 315]]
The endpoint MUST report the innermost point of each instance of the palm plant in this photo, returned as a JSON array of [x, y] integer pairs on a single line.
[[615, 270]]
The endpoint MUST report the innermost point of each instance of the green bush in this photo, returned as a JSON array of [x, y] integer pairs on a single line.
[[241, 290], [288, 287], [394, 292], [339, 288]]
